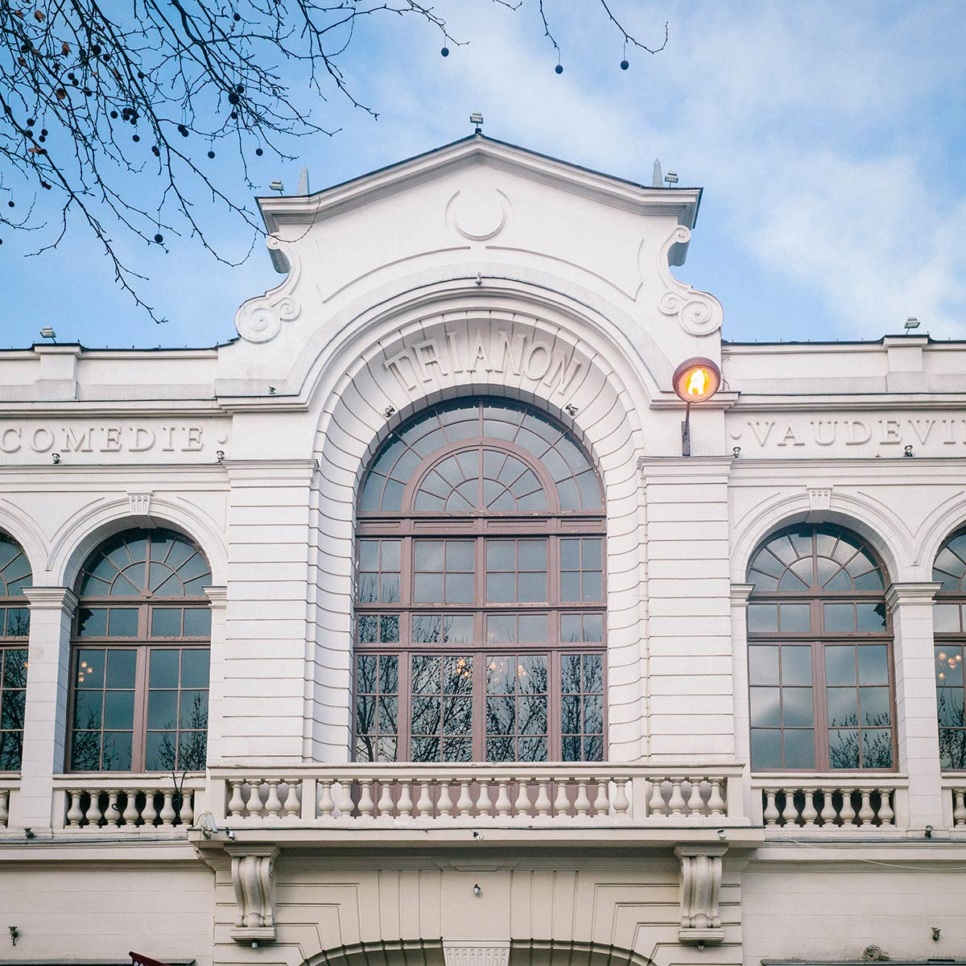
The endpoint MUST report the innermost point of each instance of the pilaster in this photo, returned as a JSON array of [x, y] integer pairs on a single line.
[[911, 606], [45, 717]]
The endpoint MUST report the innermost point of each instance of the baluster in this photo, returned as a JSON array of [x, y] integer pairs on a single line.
[[656, 804], [677, 803], [847, 811], [809, 812], [716, 802], [695, 801], [483, 803], [366, 804], [886, 814], [581, 802], [150, 812], [790, 811], [255, 806], [601, 802], [405, 804], [866, 813], [542, 805], [273, 804], [4, 810], [771, 814], [112, 814], [384, 806], [828, 808], [94, 813], [622, 804], [444, 803], [464, 805], [186, 813], [293, 808], [959, 806], [561, 804], [425, 804], [326, 802], [237, 804], [75, 813], [168, 813], [522, 804], [503, 800]]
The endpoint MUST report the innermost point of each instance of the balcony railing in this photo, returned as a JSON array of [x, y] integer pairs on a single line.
[[441, 795], [831, 802], [128, 803]]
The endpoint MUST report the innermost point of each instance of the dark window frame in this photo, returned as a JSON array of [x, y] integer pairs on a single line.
[[819, 639], [412, 529], [15, 574], [94, 643], [949, 618]]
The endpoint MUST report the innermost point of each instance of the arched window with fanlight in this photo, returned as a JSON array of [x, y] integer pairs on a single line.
[[14, 629], [950, 630], [819, 653], [479, 600], [139, 657]]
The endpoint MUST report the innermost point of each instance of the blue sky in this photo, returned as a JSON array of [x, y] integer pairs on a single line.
[[830, 139]]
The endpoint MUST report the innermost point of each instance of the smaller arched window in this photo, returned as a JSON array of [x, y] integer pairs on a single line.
[[950, 631], [14, 628], [819, 653], [139, 663]]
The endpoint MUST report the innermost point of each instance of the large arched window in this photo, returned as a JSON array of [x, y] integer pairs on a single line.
[[950, 630], [139, 661], [479, 606], [820, 653], [14, 628]]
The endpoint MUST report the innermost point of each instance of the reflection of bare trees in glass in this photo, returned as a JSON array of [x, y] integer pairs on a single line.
[[442, 708], [191, 751], [875, 750], [12, 705], [516, 708], [952, 729]]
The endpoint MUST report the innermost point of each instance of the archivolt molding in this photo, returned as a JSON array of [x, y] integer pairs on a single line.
[[408, 364], [260, 319], [25, 531], [868, 517], [949, 517], [77, 538], [699, 313]]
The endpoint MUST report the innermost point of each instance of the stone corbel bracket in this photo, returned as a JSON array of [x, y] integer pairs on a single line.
[[253, 876], [260, 319], [700, 887], [698, 312]]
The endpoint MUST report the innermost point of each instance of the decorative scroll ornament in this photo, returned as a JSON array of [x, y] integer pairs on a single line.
[[698, 312], [260, 319], [253, 876], [700, 886]]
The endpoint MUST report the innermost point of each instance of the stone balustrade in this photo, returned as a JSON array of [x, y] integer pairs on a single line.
[[128, 803], [6, 787], [597, 794], [955, 792], [829, 802]]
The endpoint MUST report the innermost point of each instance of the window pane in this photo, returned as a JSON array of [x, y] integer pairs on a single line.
[[796, 665], [164, 669], [763, 664], [92, 621], [842, 707], [946, 618], [799, 748], [870, 617], [796, 618], [796, 707], [762, 617], [839, 617], [765, 707], [843, 748], [840, 665], [766, 750], [876, 748], [873, 664], [165, 621]]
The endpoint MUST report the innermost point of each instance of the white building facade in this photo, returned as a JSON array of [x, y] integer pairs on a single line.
[[400, 631]]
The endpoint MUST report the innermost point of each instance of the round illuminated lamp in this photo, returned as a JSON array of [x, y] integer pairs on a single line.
[[696, 379]]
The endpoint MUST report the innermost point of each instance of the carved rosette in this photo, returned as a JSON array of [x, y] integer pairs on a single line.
[[700, 887], [260, 319], [698, 313], [253, 876]]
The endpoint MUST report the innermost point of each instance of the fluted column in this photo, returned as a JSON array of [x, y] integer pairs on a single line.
[[45, 715]]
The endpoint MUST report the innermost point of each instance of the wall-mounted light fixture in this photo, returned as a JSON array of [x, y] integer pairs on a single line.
[[694, 381]]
